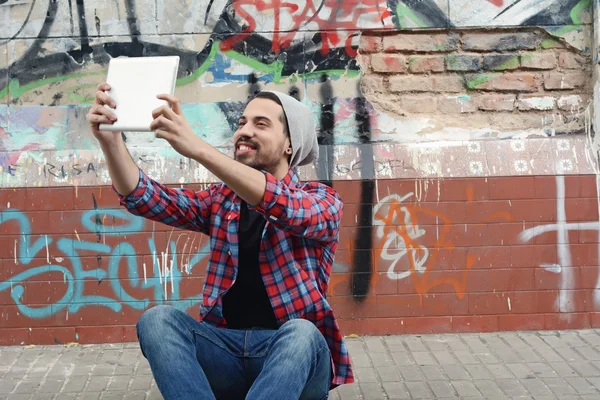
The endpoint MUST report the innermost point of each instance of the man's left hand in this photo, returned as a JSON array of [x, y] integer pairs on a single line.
[[170, 124]]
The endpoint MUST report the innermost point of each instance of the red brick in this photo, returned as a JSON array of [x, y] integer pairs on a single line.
[[538, 210], [443, 304], [576, 301], [500, 41], [548, 280], [52, 336], [428, 83], [464, 235], [516, 187], [502, 234], [350, 191], [582, 209], [546, 60], [406, 305], [448, 258], [373, 83], [372, 326], [14, 337], [438, 42], [487, 211], [38, 222], [475, 323], [370, 44], [587, 186], [567, 321], [545, 187], [529, 256], [552, 237], [517, 82], [419, 65], [463, 62], [500, 62], [564, 81], [428, 325], [44, 199], [570, 60], [496, 102], [389, 63], [87, 198], [521, 322], [418, 103], [500, 280], [489, 257], [13, 199]]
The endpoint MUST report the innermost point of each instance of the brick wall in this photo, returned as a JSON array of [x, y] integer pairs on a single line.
[[477, 79], [451, 255]]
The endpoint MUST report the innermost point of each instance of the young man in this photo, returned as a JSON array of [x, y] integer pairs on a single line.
[[266, 330]]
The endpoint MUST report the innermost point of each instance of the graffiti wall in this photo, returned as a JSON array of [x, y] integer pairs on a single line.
[[457, 132]]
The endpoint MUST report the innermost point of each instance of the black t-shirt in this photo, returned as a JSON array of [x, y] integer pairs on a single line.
[[246, 305]]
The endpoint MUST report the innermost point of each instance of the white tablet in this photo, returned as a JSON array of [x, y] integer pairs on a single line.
[[135, 82]]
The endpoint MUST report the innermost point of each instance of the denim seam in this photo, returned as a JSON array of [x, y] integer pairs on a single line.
[[215, 343]]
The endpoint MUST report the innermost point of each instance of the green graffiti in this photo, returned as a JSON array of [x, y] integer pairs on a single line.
[[580, 8], [202, 69], [478, 80], [512, 63], [404, 13], [16, 90], [551, 44]]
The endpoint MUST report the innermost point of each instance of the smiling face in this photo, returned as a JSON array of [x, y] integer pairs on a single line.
[[261, 141]]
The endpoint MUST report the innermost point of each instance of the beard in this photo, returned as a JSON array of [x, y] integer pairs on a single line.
[[258, 160]]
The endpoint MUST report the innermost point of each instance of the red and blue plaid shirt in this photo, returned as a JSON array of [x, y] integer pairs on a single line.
[[297, 250]]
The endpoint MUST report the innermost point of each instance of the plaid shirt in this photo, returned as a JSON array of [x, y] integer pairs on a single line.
[[297, 250]]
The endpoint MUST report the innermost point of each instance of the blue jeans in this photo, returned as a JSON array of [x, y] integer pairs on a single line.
[[196, 360]]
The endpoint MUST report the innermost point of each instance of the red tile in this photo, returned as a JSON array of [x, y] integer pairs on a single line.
[[581, 209], [549, 280], [514, 187], [89, 198], [502, 234], [589, 236], [486, 323], [489, 303], [372, 326], [99, 334], [587, 186], [408, 305], [45, 199], [584, 254], [129, 334], [428, 325], [567, 321], [445, 304], [589, 276], [534, 302], [538, 210], [595, 320], [572, 301], [384, 285], [521, 322], [530, 256], [500, 280], [13, 199], [479, 212], [426, 213], [489, 257], [52, 336], [14, 337], [471, 189], [545, 187], [351, 307]]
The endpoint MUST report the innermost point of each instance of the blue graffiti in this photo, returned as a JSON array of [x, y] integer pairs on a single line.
[[75, 278]]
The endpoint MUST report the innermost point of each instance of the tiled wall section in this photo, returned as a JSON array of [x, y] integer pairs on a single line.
[[440, 255]]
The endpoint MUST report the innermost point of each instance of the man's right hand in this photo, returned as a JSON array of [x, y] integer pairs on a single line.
[[99, 114]]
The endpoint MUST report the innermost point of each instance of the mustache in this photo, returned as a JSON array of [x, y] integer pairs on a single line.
[[246, 140]]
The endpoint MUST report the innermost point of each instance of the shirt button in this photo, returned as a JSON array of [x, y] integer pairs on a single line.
[[229, 251]]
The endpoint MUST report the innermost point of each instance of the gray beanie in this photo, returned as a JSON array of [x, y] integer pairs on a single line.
[[301, 125]]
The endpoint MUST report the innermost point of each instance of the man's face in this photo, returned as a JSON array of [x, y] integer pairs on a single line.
[[260, 141]]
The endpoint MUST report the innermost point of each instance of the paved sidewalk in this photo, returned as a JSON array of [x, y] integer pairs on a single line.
[[523, 365]]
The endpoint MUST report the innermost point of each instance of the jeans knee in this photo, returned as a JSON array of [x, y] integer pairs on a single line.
[[303, 333], [155, 321]]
